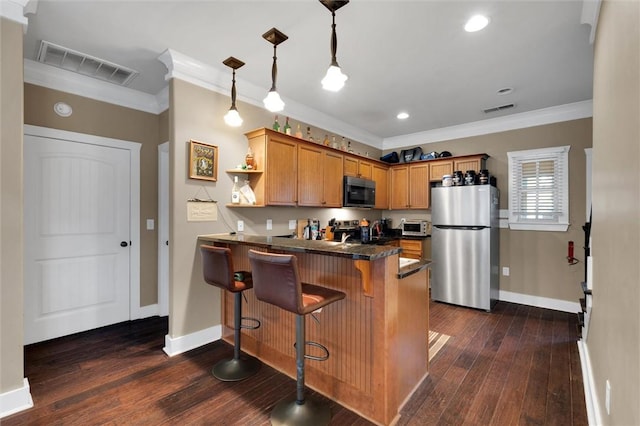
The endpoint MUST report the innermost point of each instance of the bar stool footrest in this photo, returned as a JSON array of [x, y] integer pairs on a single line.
[[315, 357], [250, 327], [309, 413], [234, 370]]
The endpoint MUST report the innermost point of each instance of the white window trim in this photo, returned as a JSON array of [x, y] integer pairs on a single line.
[[562, 153]]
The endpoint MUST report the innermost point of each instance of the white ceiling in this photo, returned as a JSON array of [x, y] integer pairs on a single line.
[[400, 55]]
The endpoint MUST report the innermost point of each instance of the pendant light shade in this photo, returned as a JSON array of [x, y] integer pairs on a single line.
[[334, 79], [273, 102], [232, 117]]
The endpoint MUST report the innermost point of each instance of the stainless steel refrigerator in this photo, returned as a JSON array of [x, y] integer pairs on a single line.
[[465, 245]]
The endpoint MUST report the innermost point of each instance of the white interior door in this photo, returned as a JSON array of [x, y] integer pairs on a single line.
[[77, 237]]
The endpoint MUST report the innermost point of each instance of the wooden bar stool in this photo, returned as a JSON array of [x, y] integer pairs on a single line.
[[217, 267], [276, 281]]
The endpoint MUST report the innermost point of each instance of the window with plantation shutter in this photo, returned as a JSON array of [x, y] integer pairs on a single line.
[[539, 189]]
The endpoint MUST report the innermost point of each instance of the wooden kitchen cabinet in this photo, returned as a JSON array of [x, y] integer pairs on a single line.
[[411, 248], [358, 168], [294, 172], [439, 168], [410, 186], [475, 163], [416, 248], [380, 176], [319, 177], [276, 155]]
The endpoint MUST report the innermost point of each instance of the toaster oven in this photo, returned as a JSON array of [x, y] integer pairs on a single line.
[[416, 228]]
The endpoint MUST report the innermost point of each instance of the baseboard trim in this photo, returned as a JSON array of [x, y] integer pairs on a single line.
[[16, 400], [540, 302], [178, 345], [590, 394]]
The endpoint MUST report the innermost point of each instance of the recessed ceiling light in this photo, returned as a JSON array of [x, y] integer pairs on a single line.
[[505, 90], [476, 23], [63, 109], [402, 116]]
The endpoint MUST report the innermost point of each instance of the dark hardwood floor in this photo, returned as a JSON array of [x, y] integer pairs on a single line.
[[516, 365]]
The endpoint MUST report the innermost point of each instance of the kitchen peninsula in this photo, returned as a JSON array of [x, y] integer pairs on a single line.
[[377, 336]]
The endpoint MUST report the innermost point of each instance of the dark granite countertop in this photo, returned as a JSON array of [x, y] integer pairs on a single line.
[[411, 269], [327, 248]]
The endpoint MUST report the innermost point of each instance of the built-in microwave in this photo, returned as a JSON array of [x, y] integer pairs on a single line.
[[416, 228], [359, 192]]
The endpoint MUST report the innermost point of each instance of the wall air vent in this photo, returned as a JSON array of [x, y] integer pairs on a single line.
[[498, 108], [81, 63]]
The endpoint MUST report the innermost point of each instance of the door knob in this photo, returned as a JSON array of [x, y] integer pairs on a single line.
[[123, 244]]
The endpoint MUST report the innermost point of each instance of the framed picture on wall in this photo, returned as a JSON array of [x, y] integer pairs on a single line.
[[203, 161]]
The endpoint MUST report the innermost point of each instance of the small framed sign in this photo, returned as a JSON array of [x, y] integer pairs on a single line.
[[203, 161]]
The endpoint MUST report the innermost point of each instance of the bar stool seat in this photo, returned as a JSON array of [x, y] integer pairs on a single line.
[[276, 281], [217, 268]]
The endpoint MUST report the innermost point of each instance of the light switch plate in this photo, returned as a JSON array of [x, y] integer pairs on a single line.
[[505, 271], [150, 224], [292, 224], [240, 225], [269, 224]]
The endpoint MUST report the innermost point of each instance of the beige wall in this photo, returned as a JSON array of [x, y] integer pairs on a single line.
[[537, 260], [11, 246], [614, 337], [112, 121]]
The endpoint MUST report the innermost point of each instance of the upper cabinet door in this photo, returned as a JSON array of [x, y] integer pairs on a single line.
[[310, 177], [319, 177], [282, 172], [419, 186], [399, 198], [380, 176], [332, 185]]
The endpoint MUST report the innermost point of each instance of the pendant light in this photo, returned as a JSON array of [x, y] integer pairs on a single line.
[[273, 102], [334, 80], [232, 118]]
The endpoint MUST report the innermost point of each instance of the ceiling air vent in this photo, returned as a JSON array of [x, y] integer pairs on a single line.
[[81, 63], [498, 108]]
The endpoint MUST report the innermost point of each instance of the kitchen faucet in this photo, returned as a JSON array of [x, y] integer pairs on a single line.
[[344, 237]]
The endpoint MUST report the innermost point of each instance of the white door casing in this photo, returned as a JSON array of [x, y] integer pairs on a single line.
[[81, 202], [163, 229]]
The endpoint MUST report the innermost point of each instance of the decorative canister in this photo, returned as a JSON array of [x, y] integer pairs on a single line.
[[470, 177], [483, 177], [447, 180], [457, 178]]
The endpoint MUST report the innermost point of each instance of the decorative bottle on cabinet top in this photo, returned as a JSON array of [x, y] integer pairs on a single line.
[[287, 128], [276, 125]]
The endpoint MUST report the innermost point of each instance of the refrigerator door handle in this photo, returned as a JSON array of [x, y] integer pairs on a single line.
[[472, 228]]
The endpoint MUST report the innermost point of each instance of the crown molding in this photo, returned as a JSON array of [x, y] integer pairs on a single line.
[[522, 120], [590, 14], [14, 10], [78, 84], [200, 74]]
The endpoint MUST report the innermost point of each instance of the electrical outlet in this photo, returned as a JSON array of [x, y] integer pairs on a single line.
[[240, 225], [505, 271], [292, 224], [607, 397], [269, 225]]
